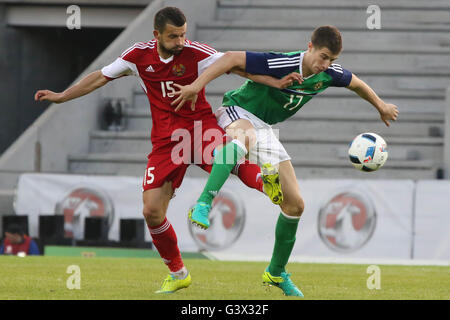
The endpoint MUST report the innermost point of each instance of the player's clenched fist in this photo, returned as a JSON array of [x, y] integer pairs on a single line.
[[47, 95]]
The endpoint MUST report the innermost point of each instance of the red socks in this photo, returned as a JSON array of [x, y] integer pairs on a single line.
[[250, 174], [165, 241]]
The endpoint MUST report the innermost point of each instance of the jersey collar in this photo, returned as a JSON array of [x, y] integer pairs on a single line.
[[166, 61], [300, 67]]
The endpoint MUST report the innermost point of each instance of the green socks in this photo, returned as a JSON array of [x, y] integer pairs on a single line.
[[224, 161], [285, 231]]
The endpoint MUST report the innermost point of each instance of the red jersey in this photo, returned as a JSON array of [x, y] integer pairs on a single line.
[[24, 246], [157, 77]]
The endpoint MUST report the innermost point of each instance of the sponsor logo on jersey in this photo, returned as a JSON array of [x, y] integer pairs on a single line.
[[150, 69], [347, 221], [178, 70]]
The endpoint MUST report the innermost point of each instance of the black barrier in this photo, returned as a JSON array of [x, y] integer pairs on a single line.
[[21, 220], [51, 229], [96, 229], [132, 231]]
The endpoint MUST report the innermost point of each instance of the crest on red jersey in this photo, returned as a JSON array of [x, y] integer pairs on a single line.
[[178, 70]]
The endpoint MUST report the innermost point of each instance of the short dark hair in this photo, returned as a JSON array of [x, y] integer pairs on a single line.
[[328, 37], [171, 15], [14, 229]]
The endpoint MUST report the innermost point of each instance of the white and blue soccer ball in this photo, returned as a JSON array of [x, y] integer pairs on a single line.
[[368, 152]]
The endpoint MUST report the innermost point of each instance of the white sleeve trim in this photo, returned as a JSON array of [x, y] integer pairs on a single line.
[[205, 63], [119, 68]]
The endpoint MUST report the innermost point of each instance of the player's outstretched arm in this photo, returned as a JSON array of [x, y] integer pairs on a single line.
[[282, 83], [230, 60], [86, 85], [387, 111]]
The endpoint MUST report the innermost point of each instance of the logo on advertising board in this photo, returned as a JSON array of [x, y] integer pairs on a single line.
[[82, 202], [227, 220], [347, 221]]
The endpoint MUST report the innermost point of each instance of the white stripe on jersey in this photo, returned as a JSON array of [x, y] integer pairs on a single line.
[[336, 66], [139, 45], [208, 51], [285, 65], [204, 46], [282, 62], [204, 51], [282, 59], [337, 70]]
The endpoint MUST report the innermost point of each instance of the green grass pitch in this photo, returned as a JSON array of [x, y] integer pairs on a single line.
[[45, 278]]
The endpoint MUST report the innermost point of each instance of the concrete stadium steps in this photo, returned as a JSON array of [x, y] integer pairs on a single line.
[[298, 141], [108, 164], [424, 14], [362, 112], [342, 4], [299, 45], [425, 85], [120, 142], [387, 93], [337, 148], [326, 104], [308, 120], [433, 64], [406, 62], [410, 93], [251, 36], [311, 19], [333, 100], [387, 63], [139, 117], [310, 169], [133, 164], [426, 114], [140, 101], [337, 125]]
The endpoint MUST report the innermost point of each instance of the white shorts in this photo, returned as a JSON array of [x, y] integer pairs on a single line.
[[268, 148]]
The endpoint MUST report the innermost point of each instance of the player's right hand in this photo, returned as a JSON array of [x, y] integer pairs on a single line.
[[47, 95], [388, 111]]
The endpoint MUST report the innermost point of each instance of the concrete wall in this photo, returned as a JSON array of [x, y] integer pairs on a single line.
[[36, 58]]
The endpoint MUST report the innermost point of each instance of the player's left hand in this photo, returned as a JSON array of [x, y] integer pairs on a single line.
[[388, 112], [289, 80], [185, 94]]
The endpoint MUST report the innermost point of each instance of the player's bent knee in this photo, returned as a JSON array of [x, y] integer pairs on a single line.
[[294, 208], [153, 215]]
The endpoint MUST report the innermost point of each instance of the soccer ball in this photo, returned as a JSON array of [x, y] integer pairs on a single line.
[[368, 152]]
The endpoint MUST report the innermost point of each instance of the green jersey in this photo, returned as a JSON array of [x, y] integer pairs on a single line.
[[273, 105]]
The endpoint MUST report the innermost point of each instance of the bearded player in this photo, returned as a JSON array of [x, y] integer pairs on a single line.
[[160, 65]]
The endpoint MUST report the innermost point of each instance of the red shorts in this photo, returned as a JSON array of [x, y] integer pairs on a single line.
[[195, 145]]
